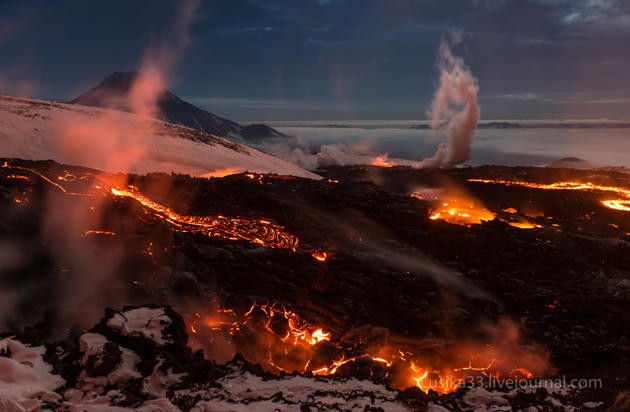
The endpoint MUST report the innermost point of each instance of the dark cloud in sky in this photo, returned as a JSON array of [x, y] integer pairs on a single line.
[[318, 59]]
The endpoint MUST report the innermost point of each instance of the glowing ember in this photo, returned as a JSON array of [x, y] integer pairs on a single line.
[[18, 177], [257, 177], [261, 232], [318, 336], [319, 255], [523, 225], [383, 161], [298, 330], [97, 232]]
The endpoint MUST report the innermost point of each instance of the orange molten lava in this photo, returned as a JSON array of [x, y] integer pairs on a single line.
[[383, 161], [288, 342], [617, 204], [259, 231], [523, 225], [319, 255], [97, 232], [222, 172], [623, 205], [18, 177], [461, 212], [298, 331]]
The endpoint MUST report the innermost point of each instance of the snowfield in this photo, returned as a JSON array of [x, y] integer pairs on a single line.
[[115, 141]]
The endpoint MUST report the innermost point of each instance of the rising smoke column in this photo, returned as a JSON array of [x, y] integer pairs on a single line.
[[91, 272], [104, 140], [161, 61], [455, 104]]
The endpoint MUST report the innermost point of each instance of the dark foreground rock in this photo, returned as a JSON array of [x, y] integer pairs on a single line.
[[391, 277]]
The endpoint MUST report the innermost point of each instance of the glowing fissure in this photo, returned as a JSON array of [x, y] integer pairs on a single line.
[[283, 334], [258, 231], [6, 165], [98, 232], [617, 204]]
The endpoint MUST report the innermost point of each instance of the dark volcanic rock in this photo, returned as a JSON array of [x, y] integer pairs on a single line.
[[392, 275], [259, 131]]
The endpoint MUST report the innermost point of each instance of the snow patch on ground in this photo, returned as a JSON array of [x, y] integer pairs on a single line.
[[242, 391], [142, 323], [115, 141], [158, 382], [25, 379]]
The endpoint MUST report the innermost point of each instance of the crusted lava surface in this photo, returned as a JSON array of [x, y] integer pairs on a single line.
[[391, 274]]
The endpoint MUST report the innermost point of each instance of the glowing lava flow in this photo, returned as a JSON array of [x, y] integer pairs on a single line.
[[623, 205], [296, 330], [522, 225], [259, 231], [617, 204], [6, 165], [98, 232], [319, 255], [468, 214], [285, 342], [459, 211]]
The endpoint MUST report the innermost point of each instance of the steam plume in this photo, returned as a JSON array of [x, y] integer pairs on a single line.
[[104, 140], [160, 63], [455, 104], [108, 145]]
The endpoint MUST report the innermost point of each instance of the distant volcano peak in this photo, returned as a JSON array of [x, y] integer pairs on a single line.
[[112, 92], [119, 80]]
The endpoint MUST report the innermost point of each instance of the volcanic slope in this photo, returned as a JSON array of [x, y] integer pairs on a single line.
[[121, 142], [336, 279]]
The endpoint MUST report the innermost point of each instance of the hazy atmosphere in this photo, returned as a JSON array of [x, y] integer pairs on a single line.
[[333, 59], [314, 205]]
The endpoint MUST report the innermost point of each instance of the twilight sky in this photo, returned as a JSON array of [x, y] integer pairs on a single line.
[[331, 59]]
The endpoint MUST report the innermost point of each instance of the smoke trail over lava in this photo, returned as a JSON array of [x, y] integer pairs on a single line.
[[455, 104], [105, 142], [160, 62], [85, 287]]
